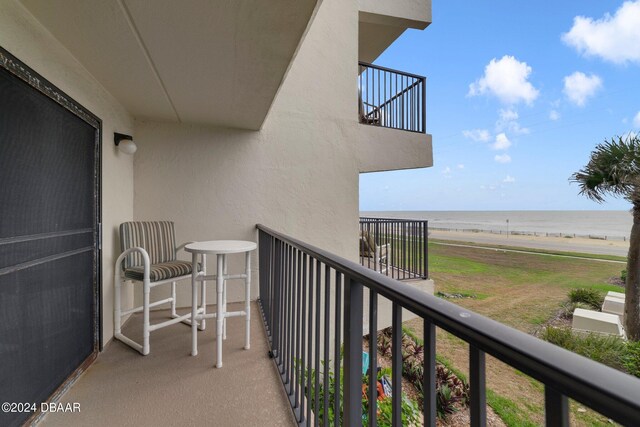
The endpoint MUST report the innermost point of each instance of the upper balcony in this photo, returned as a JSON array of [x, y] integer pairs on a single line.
[[392, 99], [388, 101]]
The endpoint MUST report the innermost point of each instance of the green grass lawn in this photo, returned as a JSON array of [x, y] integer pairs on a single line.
[[522, 291]]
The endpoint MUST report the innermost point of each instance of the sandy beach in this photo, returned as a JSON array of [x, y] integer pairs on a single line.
[[573, 244]]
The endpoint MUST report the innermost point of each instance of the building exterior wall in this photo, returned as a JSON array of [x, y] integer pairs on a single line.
[[24, 37], [299, 174]]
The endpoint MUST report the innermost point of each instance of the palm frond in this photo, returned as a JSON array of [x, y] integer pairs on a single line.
[[613, 168]]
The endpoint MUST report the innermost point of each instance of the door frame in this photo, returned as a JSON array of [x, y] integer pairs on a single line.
[[23, 72]]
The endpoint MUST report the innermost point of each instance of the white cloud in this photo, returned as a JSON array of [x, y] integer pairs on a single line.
[[460, 166], [613, 38], [508, 120], [509, 179], [508, 115], [636, 120], [554, 115], [502, 158], [446, 171], [501, 142], [478, 135], [506, 79], [579, 87]]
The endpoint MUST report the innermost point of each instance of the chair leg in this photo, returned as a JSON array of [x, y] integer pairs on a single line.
[[145, 319], [173, 300], [117, 325]]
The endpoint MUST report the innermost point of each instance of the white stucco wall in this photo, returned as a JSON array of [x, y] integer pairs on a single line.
[[298, 175], [24, 37]]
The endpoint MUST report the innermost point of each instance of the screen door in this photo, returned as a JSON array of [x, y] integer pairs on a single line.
[[49, 214]]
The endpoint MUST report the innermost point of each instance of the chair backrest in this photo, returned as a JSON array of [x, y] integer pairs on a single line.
[[158, 238], [367, 244]]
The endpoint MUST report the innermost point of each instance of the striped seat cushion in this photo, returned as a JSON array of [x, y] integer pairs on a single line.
[[156, 237], [161, 271]]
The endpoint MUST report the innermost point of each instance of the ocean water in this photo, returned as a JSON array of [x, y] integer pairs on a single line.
[[613, 224]]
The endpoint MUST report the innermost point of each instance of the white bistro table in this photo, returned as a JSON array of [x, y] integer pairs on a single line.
[[220, 248]]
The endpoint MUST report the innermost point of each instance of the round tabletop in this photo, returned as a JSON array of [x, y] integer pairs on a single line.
[[220, 247]]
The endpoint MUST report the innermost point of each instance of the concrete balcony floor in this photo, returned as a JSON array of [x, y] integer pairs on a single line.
[[170, 387]]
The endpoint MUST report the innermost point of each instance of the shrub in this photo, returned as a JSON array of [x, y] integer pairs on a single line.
[[591, 297], [567, 308], [451, 392], [631, 358], [607, 349], [623, 275]]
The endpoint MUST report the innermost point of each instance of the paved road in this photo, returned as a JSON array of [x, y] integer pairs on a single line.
[[600, 247]]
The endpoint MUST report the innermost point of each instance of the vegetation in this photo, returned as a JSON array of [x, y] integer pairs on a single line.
[[631, 358], [524, 291], [410, 409], [606, 349], [452, 392], [590, 297], [614, 168]]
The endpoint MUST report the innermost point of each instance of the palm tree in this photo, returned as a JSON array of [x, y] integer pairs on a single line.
[[614, 168]]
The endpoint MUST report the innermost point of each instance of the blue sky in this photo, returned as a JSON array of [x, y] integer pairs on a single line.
[[518, 94]]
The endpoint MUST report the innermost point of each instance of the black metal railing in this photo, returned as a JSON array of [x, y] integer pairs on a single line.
[[397, 248], [312, 304], [391, 98]]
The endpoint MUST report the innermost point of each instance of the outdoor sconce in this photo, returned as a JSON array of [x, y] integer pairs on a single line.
[[124, 143]]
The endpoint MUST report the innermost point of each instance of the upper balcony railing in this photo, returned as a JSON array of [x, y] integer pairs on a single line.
[[391, 98], [313, 307], [395, 247]]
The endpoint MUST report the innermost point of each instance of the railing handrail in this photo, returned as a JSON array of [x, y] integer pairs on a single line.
[[600, 387], [391, 70], [382, 219]]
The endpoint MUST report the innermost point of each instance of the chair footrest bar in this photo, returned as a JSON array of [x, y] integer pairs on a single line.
[[139, 309], [169, 322], [212, 277], [128, 341]]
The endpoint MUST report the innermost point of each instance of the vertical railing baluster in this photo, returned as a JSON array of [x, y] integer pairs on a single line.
[[477, 386], [425, 249], [424, 105], [373, 358], [396, 365], [386, 120], [429, 377], [277, 312], [337, 403], [378, 102], [352, 353], [304, 398], [287, 319], [556, 408], [297, 365], [310, 344], [327, 336], [317, 344]]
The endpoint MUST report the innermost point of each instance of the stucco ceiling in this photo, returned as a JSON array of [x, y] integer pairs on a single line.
[[195, 61]]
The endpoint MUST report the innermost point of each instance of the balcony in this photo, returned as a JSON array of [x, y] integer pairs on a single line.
[[392, 99], [392, 110], [397, 248], [312, 305]]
